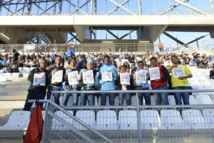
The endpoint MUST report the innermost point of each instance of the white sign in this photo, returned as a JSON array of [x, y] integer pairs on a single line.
[[178, 72], [39, 79], [57, 76], [29, 46], [154, 73], [141, 76], [73, 78], [125, 78], [88, 77], [107, 76]]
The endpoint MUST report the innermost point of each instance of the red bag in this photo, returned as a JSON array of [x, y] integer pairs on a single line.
[[35, 127]]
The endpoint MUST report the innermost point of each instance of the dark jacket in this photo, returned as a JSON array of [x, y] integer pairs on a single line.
[[13, 68], [119, 86], [212, 74], [34, 89], [50, 75]]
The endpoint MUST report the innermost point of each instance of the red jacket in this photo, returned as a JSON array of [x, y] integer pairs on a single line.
[[162, 83]]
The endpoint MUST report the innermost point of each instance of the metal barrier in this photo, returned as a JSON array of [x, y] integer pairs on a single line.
[[174, 124], [86, 47]]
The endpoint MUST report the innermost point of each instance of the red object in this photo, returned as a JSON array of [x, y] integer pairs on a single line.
[[35, 127], [160, 83]]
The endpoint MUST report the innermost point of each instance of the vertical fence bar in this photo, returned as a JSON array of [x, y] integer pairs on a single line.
[[138, 120]]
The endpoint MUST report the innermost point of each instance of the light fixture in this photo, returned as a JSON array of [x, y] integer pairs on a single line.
[[5, 36]]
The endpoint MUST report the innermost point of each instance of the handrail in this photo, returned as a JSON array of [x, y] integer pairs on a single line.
[[74, 118], [133, 91]]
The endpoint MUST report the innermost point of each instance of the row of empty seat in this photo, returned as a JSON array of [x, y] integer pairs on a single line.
[[150, 119]]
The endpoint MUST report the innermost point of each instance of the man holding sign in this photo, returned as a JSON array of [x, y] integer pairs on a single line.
[[39, 82], [180, 73], [56, 77], [107, 73], [141, 83], [159, 82]]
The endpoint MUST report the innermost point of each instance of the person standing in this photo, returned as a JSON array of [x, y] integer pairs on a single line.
[[38, 91], [160, 46], [160, 84], [87, 87], [180, 83], [142, 85], [70, 54], [63, 56], [56, 86], [110, 84]]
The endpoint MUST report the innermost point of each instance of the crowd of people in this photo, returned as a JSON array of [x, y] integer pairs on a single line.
[[106, 65]]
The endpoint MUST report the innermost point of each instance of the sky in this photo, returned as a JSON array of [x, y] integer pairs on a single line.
[[148, 6]]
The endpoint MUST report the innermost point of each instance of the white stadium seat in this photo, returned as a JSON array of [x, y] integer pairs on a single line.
[[18, 120], [193, 118], [57, 125], [128, 120], [204, 99], [106, 120], [209, 117], [171, 119], [87, 116], [150, 119], [192, 100]]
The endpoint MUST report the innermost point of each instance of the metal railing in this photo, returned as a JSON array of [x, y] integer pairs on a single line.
[[87, 47], [119, 12], [179, 123]]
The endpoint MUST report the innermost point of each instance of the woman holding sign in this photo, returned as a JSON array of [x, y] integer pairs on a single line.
[[107, 74], [87, 83], [72, 82], [39, 82], [159, 80], [180, 73]]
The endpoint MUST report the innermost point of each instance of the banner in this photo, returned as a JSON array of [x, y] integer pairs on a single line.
[[107, 76], [125, 78], [73, 78], [39, 79], [88, 77], [141, 76], [154, 73], [178, 72], [57, 76]]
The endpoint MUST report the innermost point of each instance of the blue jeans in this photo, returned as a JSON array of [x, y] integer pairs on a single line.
[[56, 96], [111, 98], [126, 96], [33, 96], [184, 96], [146, 97], [74, 97], [69, 60], [161, 98], [85, 97]]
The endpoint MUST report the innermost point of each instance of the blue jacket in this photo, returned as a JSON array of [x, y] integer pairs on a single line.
[[70, 52], [110, 85]]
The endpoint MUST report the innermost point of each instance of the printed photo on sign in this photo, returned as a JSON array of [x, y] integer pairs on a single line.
[[88, 77], [39, 79], [154, 73], [141, 76], [73, 78], [107, 76], [57, 76], [125, 78], [178, 72]]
